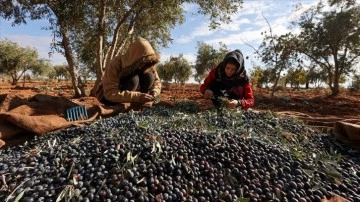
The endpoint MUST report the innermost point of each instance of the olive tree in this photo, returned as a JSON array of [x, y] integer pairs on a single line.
[[16, 61], [176, 69], [278, 55], [257, 77], [207, 57], [296, 77], [182, 69], [94, 31], [331, 39], [166, 73]]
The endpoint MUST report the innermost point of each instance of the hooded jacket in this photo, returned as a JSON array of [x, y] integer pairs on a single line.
[[238, 84], [139, 54]]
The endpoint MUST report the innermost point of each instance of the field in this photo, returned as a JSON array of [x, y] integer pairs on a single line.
[[172, 154], [307, 104]]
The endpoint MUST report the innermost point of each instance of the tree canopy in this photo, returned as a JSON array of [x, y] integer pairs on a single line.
[[326, 48], [94, 31], [15, 60], [331, 39], [175, 69], [208, 57]]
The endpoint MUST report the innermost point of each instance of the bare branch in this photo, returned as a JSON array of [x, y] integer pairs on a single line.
[[256, 50], [271, 36]]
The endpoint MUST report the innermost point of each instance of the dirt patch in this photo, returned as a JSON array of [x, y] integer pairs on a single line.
[[312, 102]]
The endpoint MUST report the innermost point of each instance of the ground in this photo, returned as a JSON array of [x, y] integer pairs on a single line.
[[311, 102]]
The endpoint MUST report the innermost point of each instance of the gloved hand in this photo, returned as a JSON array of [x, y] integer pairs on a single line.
[[208, 94], [144, 97]]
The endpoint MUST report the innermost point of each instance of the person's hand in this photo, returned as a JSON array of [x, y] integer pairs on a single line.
[[232, 104], [144, 97], [152, 93], [208, 94]]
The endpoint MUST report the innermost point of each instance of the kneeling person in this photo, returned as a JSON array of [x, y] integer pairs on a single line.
[[131, 77], [229, 80]]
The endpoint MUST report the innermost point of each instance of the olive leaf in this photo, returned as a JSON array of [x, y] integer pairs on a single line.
[[131, 159], [67, 194]]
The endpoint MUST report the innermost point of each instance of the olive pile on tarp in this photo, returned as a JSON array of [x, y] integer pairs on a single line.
[[164, 154]]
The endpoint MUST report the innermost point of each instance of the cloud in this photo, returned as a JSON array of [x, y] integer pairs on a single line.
[[202, 30], [184, 39], [256, 7], [297, 13], [248, 25], [240, 22], [190, 57]]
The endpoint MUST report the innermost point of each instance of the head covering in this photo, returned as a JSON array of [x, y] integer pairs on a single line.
[[237, 57], [239, 76], [140, 53]]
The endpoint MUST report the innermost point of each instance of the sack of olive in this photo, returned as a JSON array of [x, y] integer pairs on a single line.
[[182, 154]]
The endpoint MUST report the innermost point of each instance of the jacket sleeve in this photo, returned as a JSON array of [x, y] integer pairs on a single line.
[[157, 83], [210, 77], [111, 81], [248, 97]]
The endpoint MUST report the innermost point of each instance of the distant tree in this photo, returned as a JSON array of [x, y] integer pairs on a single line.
[[316, 77], [269, 75], [331, 38], [15, 60], [256, 75], [296, 77], [61, 72], [51, 74], [199, 78], [277, 53], [166, 72], [182, 69], [355, 84], [207, 57], [175, 69], [40, 68]]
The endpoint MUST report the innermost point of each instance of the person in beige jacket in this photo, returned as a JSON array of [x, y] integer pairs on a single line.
[[131, 77]]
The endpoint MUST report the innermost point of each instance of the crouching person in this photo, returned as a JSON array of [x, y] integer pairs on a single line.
[[131, 77], [227, 85]]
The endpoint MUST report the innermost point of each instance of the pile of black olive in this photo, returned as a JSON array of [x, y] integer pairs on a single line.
[[163, 154]]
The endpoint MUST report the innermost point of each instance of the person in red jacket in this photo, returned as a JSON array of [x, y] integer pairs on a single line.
[[229, 80]]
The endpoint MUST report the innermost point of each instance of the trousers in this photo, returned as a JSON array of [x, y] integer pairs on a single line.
[[138, 81]]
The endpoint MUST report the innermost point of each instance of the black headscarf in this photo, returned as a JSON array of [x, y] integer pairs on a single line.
[[240, 77]]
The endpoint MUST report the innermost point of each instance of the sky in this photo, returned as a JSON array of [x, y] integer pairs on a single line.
[[245, 28]]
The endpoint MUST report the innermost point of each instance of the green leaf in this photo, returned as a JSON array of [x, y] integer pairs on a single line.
[[241, 199], [128, 157], [332, 172], [18, 197]]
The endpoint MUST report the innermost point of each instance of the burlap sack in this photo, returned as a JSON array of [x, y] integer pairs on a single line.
[[348, 132]]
